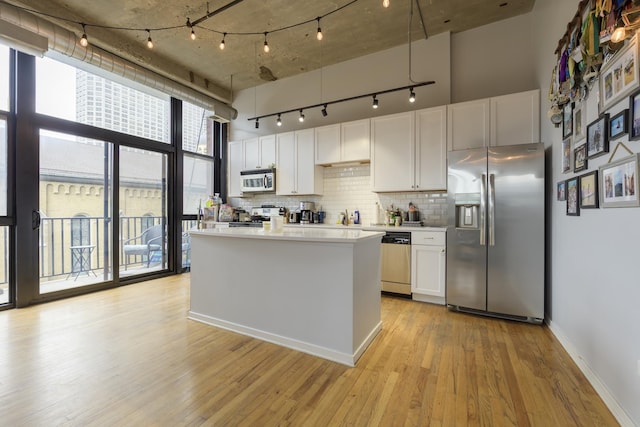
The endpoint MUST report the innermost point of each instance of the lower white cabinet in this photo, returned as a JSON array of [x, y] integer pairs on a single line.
[[428, 266]]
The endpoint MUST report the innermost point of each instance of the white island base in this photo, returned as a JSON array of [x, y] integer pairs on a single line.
[[316, 291]]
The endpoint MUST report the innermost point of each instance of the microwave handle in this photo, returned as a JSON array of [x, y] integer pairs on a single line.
[[264, 181]]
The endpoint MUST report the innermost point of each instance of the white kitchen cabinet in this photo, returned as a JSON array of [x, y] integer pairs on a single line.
[[259, 153], [409, 151], [392, 152], [343, 142], [431, 149], [297, 173], [501, 120], [251, 153], [468, 124], [235, 164], [515, 118], [428, 266]]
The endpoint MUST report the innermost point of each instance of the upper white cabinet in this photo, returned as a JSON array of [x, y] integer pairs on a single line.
[[468, 124], [409, 151], [296, 170], [515, 118], [259, 153], [235, 164], [431, 149], [392, 152], [343, 142], [501, 120]]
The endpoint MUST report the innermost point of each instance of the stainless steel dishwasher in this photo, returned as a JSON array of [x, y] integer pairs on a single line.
[[395, 264]]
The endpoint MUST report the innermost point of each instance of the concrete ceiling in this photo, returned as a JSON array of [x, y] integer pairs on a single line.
[[361, 27]]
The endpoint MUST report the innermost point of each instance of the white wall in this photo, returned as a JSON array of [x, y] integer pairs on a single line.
[[492, 60], [593, 289]]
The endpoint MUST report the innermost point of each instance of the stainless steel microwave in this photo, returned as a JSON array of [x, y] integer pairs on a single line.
[[258, 180]]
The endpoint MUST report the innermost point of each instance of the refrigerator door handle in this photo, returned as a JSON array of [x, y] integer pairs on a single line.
[[492, 210], [483, 209]]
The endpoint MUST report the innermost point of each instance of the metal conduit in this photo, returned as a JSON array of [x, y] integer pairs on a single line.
[[66, 43]]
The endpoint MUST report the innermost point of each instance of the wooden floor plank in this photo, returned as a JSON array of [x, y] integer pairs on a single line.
[[130, 356]]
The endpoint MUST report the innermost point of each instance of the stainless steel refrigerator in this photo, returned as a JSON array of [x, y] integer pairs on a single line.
[[496, 231]]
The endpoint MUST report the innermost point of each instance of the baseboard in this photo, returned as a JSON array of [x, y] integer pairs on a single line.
[[617, 411], [305, 347]]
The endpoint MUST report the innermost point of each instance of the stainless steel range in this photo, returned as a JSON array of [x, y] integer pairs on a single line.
[[258, 215]]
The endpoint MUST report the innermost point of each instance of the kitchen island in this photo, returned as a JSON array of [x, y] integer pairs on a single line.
[[313, 290]]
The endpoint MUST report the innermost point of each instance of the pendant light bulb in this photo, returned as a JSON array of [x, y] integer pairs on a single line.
[[301, 118], [386, 3], [319, 33], [83, 40], [224, 35], [149, 41], [266, 44], [193, 34], [412, 96], [279, 121], [375, 103]]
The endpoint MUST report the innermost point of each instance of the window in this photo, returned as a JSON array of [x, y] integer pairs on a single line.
[[198, 182], [69, 93], [196, 129], [3, 166], [4, 82]]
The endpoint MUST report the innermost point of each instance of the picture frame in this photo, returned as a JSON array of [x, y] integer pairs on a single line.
[[619, 124], [567, 120], [580, 124], [566, 155], [634, 116], [619, 183], [619, 77], [580, 158], [589, 190], [573, 196], [598, 136], [561, 194]]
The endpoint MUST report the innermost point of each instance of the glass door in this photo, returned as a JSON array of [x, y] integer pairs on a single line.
[[142, 211], [75, 242]]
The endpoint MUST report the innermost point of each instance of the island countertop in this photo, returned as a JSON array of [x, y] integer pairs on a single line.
[[324, 235]]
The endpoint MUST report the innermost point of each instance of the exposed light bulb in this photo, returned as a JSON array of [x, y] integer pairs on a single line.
[[279, 121], [83, 41], [619, 34], [193, 34], [224, 35], [386, 3], [301, 118], [375, 102], [149, 41], [319, 33], [412, 96], [266, 44]]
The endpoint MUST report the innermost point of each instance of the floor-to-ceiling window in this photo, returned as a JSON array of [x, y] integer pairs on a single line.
[[5, 218]]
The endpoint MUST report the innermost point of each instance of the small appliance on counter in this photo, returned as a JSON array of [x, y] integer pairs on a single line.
[[257, 216], [294, 217], [306, 212]]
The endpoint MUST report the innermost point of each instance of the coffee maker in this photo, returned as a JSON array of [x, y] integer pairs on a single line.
[[306, 212]]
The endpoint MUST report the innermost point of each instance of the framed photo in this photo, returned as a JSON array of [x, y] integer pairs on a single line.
[[618, 124], [580, 124], [589, 190], [580, 158], [619, 77], [573, 194], [566, 155], [634, 116], [567, 120], [598, 136], [619, 183], [561, 193]]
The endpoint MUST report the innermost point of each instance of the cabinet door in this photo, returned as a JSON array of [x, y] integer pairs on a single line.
[[234, 166], [308, 175], [515, 118], [431, 149], [355, 138], [267, 151], [327, 144], [428, 270], [251, 153], [468, 125], [285, 164], [392, 152]]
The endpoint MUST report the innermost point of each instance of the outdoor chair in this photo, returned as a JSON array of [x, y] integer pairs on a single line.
[[146, 244]]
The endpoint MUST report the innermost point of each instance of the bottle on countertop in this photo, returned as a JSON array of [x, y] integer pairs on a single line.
[[356, 216]]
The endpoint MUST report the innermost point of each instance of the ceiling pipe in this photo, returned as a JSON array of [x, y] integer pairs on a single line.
[[65, 42]]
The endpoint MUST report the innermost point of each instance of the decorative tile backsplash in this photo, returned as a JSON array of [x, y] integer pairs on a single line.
[[347, 188]]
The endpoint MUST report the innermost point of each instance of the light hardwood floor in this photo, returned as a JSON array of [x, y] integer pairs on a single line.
[[130, 357]]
